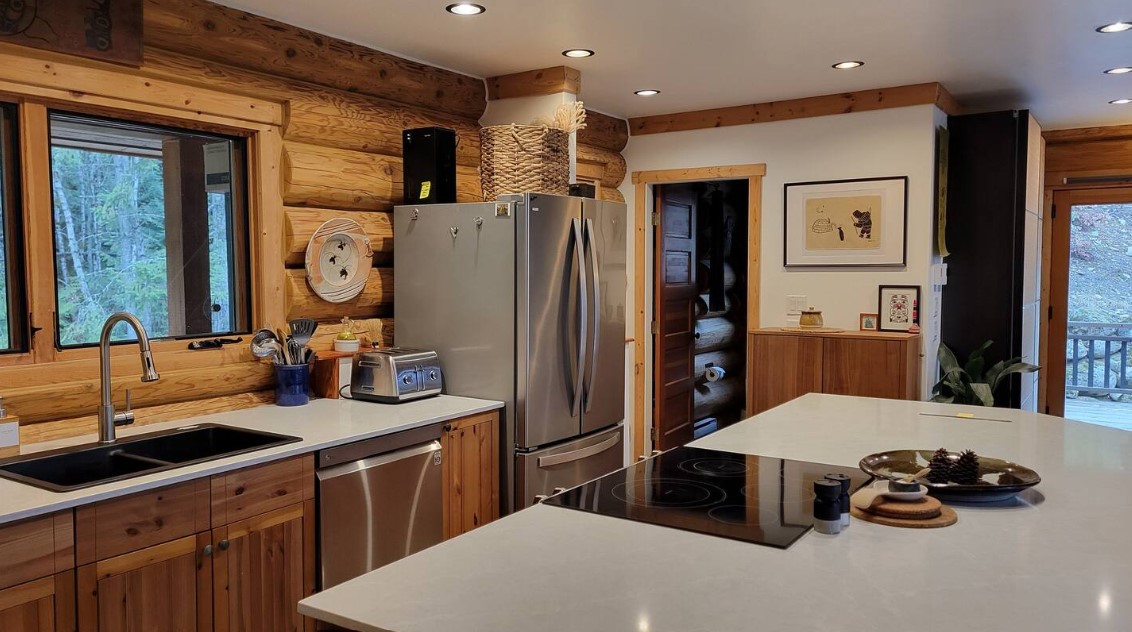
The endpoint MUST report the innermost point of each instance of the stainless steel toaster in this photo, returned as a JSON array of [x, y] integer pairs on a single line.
[[395, 374]]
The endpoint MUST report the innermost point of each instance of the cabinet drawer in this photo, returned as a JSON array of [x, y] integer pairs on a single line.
[[121, 525], [256, 490], [35, 548]]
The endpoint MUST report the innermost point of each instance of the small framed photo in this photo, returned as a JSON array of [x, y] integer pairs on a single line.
[[868, 322], [898, 308]]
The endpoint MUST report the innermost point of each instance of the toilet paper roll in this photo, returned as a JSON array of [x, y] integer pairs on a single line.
[[714, 373]]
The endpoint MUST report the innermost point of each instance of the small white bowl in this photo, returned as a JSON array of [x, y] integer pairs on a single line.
[[347, 345], [882, 487]]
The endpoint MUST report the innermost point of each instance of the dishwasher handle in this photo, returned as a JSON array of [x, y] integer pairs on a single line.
[[361, 465]]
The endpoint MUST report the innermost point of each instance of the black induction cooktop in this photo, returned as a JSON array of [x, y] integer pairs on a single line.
[[744, 497]]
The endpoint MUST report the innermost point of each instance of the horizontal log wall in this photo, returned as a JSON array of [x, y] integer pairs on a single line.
[[599, 156], [341, 109]]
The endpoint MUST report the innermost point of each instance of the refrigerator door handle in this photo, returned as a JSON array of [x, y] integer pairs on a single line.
[[591, 371], [578, 455], [583, 309]]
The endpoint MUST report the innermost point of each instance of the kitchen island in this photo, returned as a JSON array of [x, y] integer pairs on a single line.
[[1056, 558]]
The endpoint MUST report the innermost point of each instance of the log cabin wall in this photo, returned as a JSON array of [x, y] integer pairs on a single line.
[[335, 152]]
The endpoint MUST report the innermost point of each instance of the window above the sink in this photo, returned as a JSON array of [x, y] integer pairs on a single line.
[[150, 220]]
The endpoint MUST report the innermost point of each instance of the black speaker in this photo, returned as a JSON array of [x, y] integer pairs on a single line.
[[429, 156]]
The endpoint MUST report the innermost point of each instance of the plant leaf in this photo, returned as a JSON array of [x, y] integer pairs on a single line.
[[983, 392], [1014, 367], [947, 361]]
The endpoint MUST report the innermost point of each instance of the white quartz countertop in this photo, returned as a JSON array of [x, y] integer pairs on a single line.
[[322, 423], [1058, 559]]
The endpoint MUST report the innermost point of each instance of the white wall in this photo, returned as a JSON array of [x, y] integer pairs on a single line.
[[893, 142]]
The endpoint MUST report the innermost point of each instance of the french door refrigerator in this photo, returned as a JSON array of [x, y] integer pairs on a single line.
[[524, 301]]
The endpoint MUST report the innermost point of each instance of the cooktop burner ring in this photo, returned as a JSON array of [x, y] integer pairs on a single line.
[[714, 466], [669, 493]]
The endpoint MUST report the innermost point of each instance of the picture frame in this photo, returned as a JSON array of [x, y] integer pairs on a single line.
[[868, 321], [846, 223], [897, 307]]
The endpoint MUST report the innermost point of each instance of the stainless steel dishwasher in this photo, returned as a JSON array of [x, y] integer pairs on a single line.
[[379, 500]]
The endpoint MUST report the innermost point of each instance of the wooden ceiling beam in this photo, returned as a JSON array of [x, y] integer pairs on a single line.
[[533, 83], [826, 105], [1088, 134]]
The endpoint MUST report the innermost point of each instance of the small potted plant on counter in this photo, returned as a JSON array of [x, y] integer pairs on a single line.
[[970, 384]]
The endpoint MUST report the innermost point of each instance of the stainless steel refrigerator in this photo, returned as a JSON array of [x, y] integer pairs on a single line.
[[524, 301]]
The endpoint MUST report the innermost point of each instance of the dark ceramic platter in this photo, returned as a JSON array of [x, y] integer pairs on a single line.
[[998, 479]]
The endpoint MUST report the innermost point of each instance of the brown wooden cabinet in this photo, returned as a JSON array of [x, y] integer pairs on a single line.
[[37, 577], [471, 473], [42, 605], [788, 363], [246, 561]]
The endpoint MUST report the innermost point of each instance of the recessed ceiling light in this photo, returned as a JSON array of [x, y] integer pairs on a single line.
[[465, 8], [646, 93], [1115, 27], [1121, 101], [578, 53], [846, 65], [1122, 70]]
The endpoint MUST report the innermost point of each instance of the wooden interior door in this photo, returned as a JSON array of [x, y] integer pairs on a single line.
[[163, 588], [675, 292], [260, 571], [43, 605]]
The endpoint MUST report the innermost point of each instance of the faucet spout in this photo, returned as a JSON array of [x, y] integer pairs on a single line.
[[107, 418]]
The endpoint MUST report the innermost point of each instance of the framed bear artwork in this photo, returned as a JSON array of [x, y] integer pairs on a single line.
[[846, 223]]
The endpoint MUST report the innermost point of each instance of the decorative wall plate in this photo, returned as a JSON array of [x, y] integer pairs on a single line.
[[338, 260]]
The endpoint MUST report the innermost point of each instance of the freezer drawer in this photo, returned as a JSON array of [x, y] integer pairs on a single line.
[[377, 510], [567, 464]]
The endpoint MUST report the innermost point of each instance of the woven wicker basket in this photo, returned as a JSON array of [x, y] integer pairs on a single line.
[[522, 158]]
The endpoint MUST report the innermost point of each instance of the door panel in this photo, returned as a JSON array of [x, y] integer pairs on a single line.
[[471, 466], [864, 368], [783, 368], [164, 588], [606, 240], [259, 575], [548, 304], [42, 605], [676, 292]]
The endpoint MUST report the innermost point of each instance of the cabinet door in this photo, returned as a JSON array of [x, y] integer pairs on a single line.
[[866, 368], [163, 588], [783, 368], [471, 473], [263, 566], [43, 605]]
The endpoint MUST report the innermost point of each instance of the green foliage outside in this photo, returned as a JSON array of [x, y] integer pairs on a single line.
[[110, 252]]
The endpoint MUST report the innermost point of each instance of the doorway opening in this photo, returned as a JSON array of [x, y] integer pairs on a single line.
[[1091, 274], [699, 297]]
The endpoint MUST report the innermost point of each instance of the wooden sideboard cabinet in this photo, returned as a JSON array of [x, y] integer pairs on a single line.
[[788, 363]]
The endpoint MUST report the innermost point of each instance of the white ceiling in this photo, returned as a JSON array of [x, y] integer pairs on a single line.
[[1037, 54]]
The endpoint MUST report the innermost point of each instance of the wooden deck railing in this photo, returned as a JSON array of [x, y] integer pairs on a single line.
[[1112, 349]]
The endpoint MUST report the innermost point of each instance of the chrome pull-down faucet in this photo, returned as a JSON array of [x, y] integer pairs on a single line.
[[107, 418]]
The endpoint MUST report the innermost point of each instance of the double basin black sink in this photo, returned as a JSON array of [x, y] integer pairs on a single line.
[[94, 464]]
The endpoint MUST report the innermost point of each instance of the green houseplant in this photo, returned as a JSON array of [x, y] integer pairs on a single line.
[[969, 384]]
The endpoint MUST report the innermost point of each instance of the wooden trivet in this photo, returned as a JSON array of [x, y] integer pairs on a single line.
[[946, 518], [922, 509]]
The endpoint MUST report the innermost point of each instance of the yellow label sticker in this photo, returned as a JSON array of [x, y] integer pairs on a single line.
[[965, 415], [426, 187]]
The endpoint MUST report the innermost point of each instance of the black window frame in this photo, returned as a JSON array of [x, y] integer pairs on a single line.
[[241, 253], [19, 340]]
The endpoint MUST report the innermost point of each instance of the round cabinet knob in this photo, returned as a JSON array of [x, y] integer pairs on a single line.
[[207, 550], [224, 544]]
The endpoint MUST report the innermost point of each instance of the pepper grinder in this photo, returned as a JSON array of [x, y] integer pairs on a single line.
[[827, 507], [843, 499]]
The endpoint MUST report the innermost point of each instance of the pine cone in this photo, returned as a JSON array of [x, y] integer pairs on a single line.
[[966, 468], [940, 466]]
